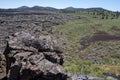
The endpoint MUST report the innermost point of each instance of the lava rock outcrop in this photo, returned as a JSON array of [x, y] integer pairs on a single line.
[[30, 58]]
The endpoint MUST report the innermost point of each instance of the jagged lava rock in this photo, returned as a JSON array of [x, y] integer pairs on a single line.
[[30, 58]]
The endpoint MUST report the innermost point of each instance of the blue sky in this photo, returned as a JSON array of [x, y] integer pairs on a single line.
[[107, 4]]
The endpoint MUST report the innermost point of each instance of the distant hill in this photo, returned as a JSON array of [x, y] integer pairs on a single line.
[[100, 9], [73, 9], [26, 8], [36, 8], [84, 9], [23, 7], [39, 8]]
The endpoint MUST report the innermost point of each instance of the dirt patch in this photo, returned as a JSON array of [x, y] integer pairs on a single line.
[[103, 37], [115, 28], [98, 36]]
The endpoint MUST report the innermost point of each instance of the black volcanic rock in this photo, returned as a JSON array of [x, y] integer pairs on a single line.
[[28, 63], [20, 25]]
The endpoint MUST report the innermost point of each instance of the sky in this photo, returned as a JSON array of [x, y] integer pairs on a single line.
[[113, 5]]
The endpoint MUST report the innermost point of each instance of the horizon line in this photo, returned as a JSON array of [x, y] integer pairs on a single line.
[[59, 8]]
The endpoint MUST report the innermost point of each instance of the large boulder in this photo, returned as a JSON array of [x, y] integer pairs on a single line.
[[30, 58]]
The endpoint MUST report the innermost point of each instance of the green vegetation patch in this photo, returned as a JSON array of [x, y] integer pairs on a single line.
[[92, 58]]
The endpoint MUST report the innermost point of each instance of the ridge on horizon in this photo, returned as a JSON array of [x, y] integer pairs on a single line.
[[52, 8]]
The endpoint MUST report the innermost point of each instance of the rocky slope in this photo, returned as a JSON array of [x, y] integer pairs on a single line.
[[28, 48], [28, 51], [30, 58], [36, 23]]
